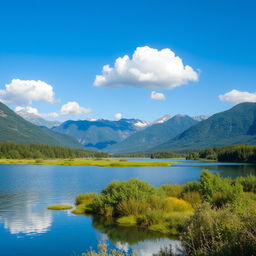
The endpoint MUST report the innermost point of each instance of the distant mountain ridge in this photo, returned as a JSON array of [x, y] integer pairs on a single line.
[[37, 120], [234, 126], [153, 135], [98, 134]]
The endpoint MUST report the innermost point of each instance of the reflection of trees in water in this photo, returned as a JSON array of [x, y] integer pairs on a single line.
[[126, 238], [18, 215], [232, 171], [124, 234]]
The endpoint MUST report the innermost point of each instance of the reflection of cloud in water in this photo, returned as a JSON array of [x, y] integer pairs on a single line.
[[27, 221], [21, 216]]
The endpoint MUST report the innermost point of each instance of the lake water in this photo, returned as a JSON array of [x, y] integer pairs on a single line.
[[28, 228]]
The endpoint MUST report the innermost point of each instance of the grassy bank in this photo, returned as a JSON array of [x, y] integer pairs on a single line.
[[86, 162]]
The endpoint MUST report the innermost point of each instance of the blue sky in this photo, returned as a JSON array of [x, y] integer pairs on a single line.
[[66, 43]]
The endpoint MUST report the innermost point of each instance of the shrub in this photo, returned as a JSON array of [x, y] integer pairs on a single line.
[[213, 187], [178, 205], [151, 218], [248, 183], [132, 207], [220, 231], [192, 186], [172, 190], [194, 198], [123, 191], [85, 198]]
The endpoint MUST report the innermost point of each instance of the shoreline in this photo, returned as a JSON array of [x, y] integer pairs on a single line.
[[86, 162]]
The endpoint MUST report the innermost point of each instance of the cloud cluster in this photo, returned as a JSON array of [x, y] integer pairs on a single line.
[[157, 96], [148, 68], [24, 92], [73, 108], [118, 116], [236, 97], [34, 111]]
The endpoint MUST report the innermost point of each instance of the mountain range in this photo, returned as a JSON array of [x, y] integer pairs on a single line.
[[153, 135], [99, 134], [234, 126]]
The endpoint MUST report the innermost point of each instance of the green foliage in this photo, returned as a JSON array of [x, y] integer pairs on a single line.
[[237, 153], [194, 198], [85, 198], [132, 207], [248, 183], [192, 186], [172, 190], [20, 151], [121, 191], [217, 190], [220, 231], [150, 218]]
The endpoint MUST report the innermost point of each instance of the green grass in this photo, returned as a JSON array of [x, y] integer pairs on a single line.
[[59, 207], [86, 162]]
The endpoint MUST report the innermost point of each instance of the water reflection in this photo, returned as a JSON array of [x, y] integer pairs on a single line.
[[20, 215], [27, 226], [127, 238]]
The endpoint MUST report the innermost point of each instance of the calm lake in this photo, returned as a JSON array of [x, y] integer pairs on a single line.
[[28, 228]]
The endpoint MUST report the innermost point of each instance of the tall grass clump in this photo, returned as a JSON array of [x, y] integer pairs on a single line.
[[172, 190]]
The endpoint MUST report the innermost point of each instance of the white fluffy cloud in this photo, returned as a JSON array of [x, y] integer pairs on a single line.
[[236, 97], [148, 68], [34, 111], [157, 96], [73, 108], [24, 92], [118, 116]]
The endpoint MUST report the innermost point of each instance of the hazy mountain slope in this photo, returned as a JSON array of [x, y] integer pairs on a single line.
[[234, 126], [37, 120], [100, 133], [153, 135], [14, 128], [63, 139]]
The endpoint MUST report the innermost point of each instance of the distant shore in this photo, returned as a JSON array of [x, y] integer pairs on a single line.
[[86, 162]]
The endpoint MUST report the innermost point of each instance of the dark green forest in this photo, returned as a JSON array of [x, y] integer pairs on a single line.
[[236, 153], [20, 151]]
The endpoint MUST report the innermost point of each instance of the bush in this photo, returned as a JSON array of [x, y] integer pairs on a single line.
[[151, 218], [192, 186], [132, 207], [123, 191], [172, 190], [85, 198], [219, 190], [178, 205], [194, 198], [222, 231], [248, 183]]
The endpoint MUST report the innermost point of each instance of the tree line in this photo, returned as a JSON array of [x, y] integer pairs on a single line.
[[160, 154], [20, 151], [236, 153]]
